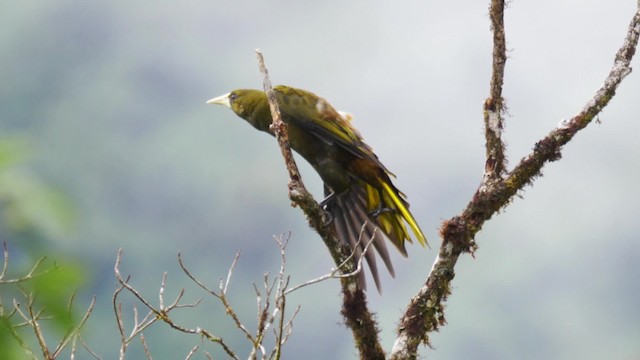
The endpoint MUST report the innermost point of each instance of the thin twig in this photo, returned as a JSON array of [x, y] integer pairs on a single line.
[[35, 325], [74, 332], [87, 348], [5, 264], [162, 313], [224, 287], [145, 347], [337, 273], [28, 276], [230, 273], [117, 310], [192, 352], [126, 285]]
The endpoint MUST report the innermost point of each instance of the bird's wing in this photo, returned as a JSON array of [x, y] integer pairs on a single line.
[[311, 112]]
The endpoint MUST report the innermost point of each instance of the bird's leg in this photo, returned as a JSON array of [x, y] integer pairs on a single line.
[[329, 198], [380, 209]]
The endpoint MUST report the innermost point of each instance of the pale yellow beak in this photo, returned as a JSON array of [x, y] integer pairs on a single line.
[[221, 100]]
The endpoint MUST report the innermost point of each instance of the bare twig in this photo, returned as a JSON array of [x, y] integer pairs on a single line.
[[33, 272], [192, 352], [425, 312], [5, 264], [117, 310], [222, 296], [145, 347], [270, 303], [284, 328], [223, 286], [337, 273], [273, 291], [87, 348], [285, 333], [73, 333], [154, 314], [33, 318], [229, 274], [27, 309]]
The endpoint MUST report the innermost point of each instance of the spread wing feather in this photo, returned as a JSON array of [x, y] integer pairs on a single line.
[[315, 114]]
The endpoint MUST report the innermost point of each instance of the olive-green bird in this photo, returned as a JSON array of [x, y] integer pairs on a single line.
[[357, 186]]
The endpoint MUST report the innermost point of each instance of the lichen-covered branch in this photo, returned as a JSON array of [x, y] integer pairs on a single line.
[[494, 106], [354, 305], [298, 193], [425, 312]]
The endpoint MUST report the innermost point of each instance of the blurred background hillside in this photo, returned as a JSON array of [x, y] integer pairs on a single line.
[[107, 101]]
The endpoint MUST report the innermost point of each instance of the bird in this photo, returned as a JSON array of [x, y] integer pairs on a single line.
[[359, 194]]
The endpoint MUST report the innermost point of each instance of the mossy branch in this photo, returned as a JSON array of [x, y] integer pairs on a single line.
[[425, 312], [354, 305]]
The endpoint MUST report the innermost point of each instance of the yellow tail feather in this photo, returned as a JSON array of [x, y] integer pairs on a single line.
[[405, 214]]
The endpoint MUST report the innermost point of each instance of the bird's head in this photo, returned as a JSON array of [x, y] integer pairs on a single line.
[[248, 104]]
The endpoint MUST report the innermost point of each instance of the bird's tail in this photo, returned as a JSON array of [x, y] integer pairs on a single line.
[[354, 225], [388, 207], [367, 214]]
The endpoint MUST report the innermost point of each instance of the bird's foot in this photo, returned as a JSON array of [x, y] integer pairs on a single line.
[[380, 210], [327, 218]]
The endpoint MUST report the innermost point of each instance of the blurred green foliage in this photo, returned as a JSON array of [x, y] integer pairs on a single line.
[[27, 204], [33, 213]]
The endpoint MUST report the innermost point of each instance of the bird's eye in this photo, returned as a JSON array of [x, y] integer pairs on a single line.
[[232, 97]]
